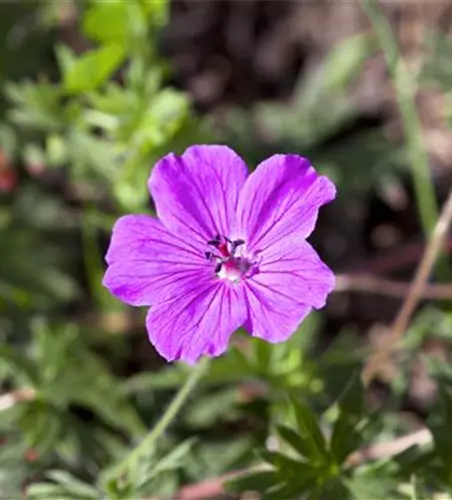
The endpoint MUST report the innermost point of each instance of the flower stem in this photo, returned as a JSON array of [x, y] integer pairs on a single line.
[[405, 91], [171, 412]]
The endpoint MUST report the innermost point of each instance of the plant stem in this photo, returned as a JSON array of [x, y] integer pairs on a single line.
[[171, 412], [405, 92]]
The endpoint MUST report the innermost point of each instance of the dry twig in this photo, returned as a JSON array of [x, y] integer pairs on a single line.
[[390, 448], [381, 286], [415, 291], [10, 399]]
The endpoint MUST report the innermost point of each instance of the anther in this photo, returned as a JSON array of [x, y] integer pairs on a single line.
[[235, 244], [215, 243]]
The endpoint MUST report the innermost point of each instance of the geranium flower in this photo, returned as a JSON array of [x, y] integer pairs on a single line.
[[228, 250]]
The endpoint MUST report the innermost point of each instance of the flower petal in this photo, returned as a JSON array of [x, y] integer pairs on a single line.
[[197, 193], [297, 271], [199, 321], [291, 281], [146, 262], [281, 199], [271, 317]]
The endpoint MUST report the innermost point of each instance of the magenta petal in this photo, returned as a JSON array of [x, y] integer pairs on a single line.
[[197, 322], [291, 281], [196, 194], [281, 199], [145, 262], [272, 317], [297, 271]]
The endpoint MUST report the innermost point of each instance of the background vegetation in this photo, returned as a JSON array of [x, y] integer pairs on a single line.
[[358, 403]]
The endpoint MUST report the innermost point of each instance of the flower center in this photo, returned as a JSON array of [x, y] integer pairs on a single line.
[[231, 262]]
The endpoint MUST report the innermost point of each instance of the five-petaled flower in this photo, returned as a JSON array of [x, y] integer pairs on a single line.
[[227, 250]]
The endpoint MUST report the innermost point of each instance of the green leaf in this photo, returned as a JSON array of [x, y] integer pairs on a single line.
[[36, 105], [18, 366], [295, 440], [351, 401], [73, 485], [157, 11], [256, 481], [310, 431], [346, 435], [439, 424], [437, 70], [49, 491], [286, 465], [149, 470], [175, 457], [345, 61], [372, 486], [8, 139], [94, 68], [66, 57], [106, 22], [233, 367], [301, 486]]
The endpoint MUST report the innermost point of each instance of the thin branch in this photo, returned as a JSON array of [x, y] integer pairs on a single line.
[[10, 399], [389, 449], [402, 256], [415, 291], [380, 286]]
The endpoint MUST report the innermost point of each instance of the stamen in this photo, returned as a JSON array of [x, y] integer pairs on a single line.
[[229, 265], [235, 244]]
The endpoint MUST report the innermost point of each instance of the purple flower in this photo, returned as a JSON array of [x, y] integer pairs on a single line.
[[228, 250]]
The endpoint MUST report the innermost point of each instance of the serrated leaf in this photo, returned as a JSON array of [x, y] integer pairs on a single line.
[[36, 105]]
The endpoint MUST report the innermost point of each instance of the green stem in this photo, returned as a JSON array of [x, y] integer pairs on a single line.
[[171, 412], [405, 92]]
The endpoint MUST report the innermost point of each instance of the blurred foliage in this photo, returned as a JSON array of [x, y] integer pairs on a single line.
[[321, 108], [86, 110], [109, 115]]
